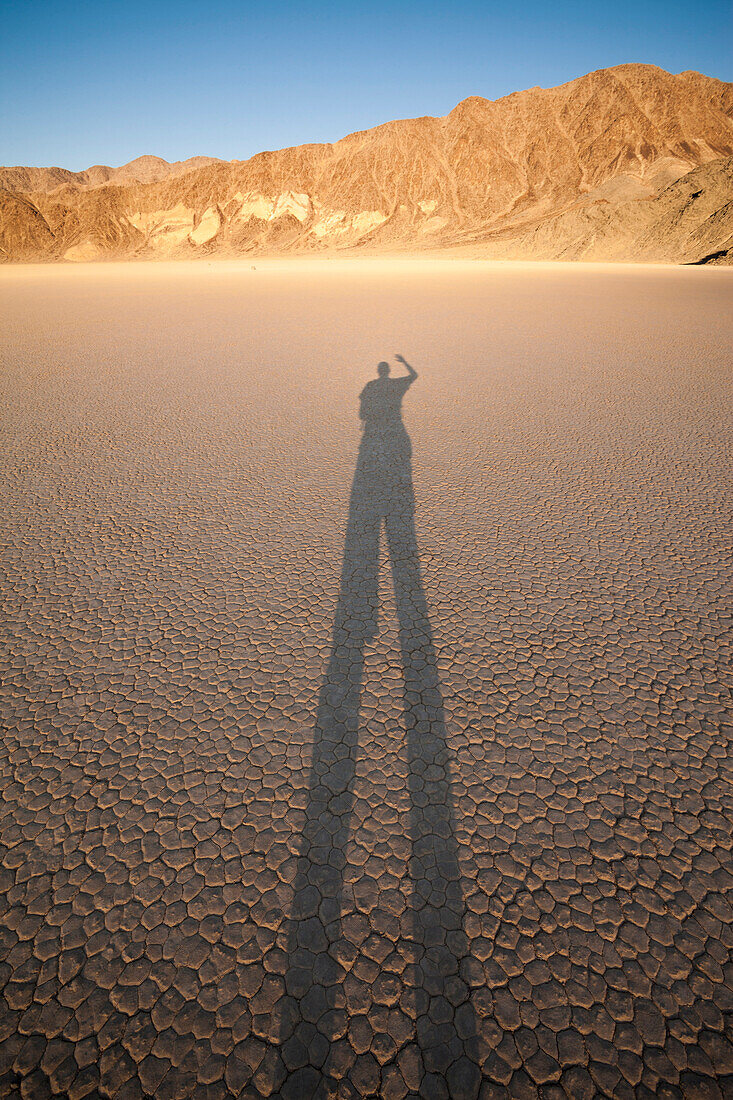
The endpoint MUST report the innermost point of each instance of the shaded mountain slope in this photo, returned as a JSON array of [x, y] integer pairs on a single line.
[[685, 222], [24, 233]]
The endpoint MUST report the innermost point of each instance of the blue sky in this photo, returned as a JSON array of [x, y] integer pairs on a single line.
[[103, 82]]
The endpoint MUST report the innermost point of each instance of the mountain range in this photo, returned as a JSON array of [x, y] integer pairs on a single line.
[[627, 163]]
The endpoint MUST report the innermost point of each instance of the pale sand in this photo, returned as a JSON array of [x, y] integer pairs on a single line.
[[179, 447]]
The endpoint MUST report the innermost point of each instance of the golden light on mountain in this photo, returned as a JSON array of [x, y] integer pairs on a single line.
[[628, 163]]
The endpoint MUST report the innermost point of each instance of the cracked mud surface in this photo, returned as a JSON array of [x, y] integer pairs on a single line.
[[366, 765]]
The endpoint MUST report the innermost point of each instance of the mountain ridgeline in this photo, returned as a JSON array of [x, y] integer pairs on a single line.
[[628, 163]]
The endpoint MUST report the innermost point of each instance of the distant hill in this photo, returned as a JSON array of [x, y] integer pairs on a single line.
[[146, 169], [628, 163]]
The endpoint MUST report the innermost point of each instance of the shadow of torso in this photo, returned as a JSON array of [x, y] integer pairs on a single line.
[[380, 402]]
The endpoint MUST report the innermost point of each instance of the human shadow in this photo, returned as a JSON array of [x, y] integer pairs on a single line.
[[315, 1018]]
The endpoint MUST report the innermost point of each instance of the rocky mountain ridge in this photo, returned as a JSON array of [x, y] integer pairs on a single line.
[[624, 163], [145, 169]]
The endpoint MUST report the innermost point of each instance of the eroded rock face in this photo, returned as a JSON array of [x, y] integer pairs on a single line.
[[165, 230], [575, 172], [24, 233]]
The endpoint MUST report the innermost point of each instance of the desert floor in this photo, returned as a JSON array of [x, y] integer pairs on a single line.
[[292, 809]]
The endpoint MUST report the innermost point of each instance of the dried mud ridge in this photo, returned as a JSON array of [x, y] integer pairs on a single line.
[[518, 885]]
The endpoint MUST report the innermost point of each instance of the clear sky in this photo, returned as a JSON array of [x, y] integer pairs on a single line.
[[103, 81]]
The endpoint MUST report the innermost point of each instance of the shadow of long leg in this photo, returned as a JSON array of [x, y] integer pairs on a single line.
[[445, 1021], [314, 1013]]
